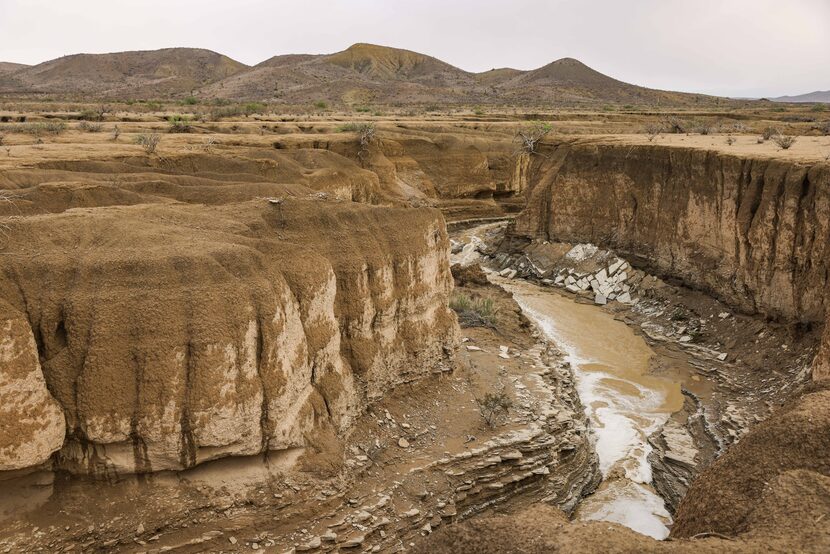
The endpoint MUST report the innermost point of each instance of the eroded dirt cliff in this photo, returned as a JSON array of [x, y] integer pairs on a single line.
[[753, 232], [172, 333]]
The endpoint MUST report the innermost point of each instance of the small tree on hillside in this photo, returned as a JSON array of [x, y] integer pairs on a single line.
[[530, 137]]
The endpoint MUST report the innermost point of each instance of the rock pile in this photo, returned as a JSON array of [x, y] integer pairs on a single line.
[[584, 269]]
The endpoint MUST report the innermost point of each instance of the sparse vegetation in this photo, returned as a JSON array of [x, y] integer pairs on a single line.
[[730, 140], [190, 101], [225, 111], [42, 128], [769, 132], [179, 124], [116, 132], [2, 138], [149, 142], [652, 130], [675, 125], [365, 133], [494, 408], [474, 312], [704, 127], [89, 127], [321, 105], [96, 114], [784, 142], [530, 137], [254, 107]]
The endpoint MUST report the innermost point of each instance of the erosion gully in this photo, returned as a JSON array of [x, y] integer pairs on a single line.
[[624, 403]]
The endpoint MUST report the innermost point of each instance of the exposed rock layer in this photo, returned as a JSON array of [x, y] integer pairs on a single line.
[[753, 232], [172, 334]]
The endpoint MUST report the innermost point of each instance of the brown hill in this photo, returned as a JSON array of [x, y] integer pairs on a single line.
[[362, 74], [155, 73], [365, 73], [9, 67], [568, 80]]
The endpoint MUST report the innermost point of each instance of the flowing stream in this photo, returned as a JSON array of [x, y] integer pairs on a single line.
[[623, 402]]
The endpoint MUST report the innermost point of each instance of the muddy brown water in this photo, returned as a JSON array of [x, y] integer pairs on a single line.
[[624, 403]]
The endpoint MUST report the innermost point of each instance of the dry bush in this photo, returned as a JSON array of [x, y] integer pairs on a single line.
[[530, 137], [784, 141], [474, 312], [366, 133], [730, 141], [673, 124], [38, 129], [2, 138], [179, 124], [769, 132], [652, 130], [116, 132], [494, 408], [6, 197], [90, 127], [148, 141], [704, 127]]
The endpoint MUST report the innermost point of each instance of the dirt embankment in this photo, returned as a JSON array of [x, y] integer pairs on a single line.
[[172, 333], [754, 233]]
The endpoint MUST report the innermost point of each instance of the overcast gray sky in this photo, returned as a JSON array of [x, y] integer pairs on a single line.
[[726, 47]]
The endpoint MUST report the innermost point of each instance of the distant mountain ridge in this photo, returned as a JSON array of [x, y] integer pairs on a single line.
[[167, 72], [818, 96], [361, 74]]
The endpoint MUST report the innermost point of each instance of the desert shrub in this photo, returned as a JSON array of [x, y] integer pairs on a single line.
[[190, 101], [254, 107], [39, 129], [149, 142], [474, 312], [703, 127], [90, 127], [673, 124], [818, 108], [116, 132], [321, 105], [365, 133], [2, 138], [225, 111], [530, 136], [652, 130], [494, 408], [179, 124], [730, 141], [784, 142], [769, 132], [96, 114], [363, 109]]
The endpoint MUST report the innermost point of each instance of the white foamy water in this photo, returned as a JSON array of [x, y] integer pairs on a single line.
[[623, 403]]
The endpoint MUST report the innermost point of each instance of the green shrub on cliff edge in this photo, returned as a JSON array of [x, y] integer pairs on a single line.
[[474, 312]]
